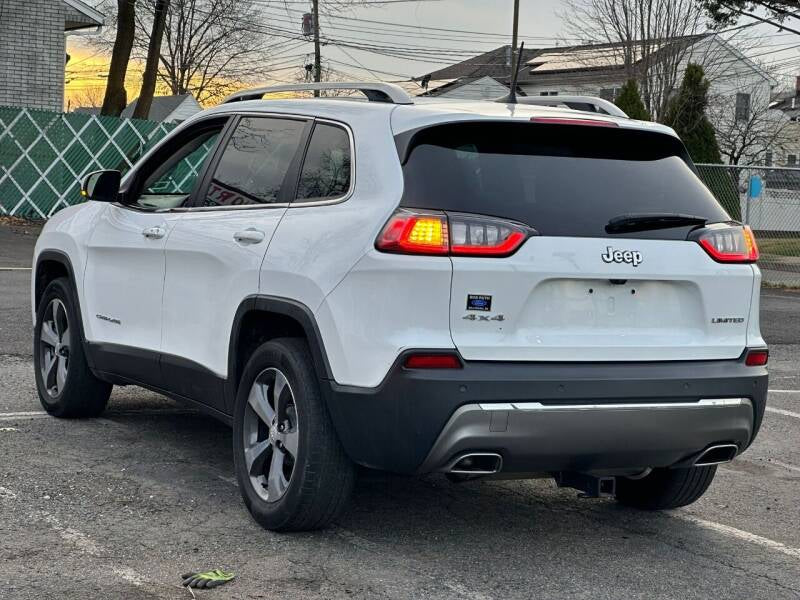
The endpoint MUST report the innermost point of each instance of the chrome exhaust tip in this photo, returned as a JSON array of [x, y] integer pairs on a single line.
[[716, 455], [476, 463]]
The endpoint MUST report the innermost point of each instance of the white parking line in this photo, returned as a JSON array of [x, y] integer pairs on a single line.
[[784, 391], [745, 536], [40, 414], [15, 268], [772, 461], [785, 413]]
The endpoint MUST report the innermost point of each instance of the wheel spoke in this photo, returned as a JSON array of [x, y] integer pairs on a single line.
[[65, 338], [276, 482], [56, 324], [291, 440], [258, 402], [255, 456], [50, 371], [278, 397], [61, 372], [48, 336]]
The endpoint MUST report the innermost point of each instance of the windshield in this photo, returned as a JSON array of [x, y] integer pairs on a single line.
[[562, 180]]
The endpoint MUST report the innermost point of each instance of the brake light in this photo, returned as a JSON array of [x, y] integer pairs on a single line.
[[454, 234], [757, 358], [414, 233], [432, 361], [573, 121], [729, 243]]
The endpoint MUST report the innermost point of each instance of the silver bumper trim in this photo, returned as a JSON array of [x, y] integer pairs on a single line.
[[704, 403]]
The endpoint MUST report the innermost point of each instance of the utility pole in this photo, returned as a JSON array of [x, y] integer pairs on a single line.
[[317, 54], [514, 33]]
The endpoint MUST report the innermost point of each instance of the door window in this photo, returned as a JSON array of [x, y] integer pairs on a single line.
[[255, 162], [326, 169], [175, 170]]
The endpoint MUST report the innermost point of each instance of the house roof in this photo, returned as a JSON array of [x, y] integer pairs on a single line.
[[81, 16], [789, 104], [161, 108], [559, 59]]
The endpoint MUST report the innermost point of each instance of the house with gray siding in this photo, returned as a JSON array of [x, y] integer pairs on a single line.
[[33, 49]]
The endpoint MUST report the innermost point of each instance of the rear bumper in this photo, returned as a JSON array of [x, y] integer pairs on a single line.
[[550, 416]]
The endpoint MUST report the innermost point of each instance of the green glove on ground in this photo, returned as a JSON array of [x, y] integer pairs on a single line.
[[208, 579]]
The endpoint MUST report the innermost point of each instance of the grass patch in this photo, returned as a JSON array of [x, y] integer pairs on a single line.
[[779, 246]]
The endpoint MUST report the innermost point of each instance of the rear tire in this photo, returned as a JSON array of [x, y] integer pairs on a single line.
[[67, 388], [292, 471], [665, 488]]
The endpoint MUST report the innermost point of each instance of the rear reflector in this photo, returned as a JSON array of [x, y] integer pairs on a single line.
[[432, 361], [729, 243], [454, 234], [757, 358], [571, 121]]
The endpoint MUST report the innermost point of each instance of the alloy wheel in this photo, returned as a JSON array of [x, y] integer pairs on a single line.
[[54, 347], [271, 434]]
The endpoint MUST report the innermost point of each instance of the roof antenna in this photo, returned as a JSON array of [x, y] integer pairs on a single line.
[[511, 97]]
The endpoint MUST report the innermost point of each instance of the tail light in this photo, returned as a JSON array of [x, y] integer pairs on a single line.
[[756, 358], [432, 361], [453, 234], [728, 243]]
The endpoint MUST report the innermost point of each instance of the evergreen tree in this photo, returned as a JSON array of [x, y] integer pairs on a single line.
[[630, 101], [686, 114]]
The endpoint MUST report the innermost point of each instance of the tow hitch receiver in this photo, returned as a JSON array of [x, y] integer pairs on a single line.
[[590, 486]]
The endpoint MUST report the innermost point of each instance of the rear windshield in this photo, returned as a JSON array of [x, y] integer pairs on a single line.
[[562, 180]]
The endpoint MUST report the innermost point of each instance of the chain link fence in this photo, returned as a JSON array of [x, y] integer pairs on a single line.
[[45, 155], [767, 199]]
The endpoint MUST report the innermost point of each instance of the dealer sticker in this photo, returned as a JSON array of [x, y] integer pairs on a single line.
[[479, 302]]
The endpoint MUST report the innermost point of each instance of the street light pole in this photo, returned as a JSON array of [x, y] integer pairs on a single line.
[[516, 28], [317, 53]]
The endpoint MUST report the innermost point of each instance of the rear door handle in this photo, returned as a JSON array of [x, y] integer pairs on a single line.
[[154, 233], [249, 236]]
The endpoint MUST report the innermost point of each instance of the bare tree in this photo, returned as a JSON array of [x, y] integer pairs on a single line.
[[747, 128], [648, 39], [116, 98], [145, 101], [210, 47], [87, 97]]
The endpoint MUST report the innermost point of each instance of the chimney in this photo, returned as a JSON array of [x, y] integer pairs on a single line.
[[797, 86]]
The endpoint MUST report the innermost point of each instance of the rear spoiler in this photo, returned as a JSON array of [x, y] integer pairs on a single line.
[[582, 103]]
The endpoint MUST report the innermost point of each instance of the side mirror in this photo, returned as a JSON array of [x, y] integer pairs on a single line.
[[102, 186]]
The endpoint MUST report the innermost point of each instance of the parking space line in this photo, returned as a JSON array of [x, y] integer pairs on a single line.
[[740, 534], [785, 413], [15, 268], [40, 414], [783, 464], [784, 391]]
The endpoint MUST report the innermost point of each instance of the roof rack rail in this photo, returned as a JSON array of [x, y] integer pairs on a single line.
[[582, 103], [375, 92]]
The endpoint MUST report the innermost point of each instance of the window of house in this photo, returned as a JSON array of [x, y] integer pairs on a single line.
[[609, 94], [791, 160], [742, 106], [326, 169], [548, 93], [768, 158], [256, 161]]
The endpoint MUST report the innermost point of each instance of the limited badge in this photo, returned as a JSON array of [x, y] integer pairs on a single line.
[[479, 302]]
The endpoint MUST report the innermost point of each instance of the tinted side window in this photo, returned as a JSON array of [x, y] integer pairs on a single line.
[[326, 170], [255, 162]]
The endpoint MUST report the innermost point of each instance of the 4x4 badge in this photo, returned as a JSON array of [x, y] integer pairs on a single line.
[[631, 257], [474, 317]]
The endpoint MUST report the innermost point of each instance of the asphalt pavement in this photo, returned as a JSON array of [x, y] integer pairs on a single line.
[[121, 506]]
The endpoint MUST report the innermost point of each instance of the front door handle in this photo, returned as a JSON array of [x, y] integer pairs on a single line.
[[154, 233], [249, 236]]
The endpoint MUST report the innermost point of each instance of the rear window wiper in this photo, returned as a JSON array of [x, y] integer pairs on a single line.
[[650, 221]]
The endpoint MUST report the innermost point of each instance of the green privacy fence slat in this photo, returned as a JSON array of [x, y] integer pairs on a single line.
[[44, 155]]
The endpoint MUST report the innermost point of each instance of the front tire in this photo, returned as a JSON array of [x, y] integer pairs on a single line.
[[67, 388], [665, 488], [292, 471]]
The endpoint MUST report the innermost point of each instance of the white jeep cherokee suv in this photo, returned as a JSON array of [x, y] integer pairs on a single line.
[[472, 288]]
